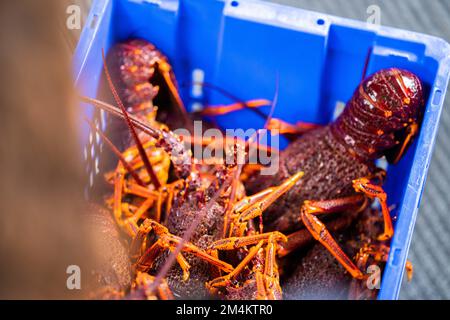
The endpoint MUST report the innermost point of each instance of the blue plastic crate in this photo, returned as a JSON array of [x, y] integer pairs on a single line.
[[241, 46]]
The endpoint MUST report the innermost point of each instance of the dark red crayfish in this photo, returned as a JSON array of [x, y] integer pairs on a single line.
[[338, 160], [201, 211]]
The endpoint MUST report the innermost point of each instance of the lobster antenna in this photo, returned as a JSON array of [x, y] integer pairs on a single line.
[[229, 95], [274, 100], [165, 139], [116, 151], [366, 63], [142, 153], [269, 116]]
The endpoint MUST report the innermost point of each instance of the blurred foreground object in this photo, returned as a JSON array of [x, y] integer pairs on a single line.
[[41, 232]]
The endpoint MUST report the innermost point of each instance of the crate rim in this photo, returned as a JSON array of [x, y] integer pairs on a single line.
[[442, 55]]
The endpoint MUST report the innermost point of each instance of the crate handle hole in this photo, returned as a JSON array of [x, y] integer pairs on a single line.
[[198, 77], [437, 97], [94, 21], [234, 3]]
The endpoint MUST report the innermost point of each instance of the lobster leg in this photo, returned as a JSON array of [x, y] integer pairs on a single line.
[[146, 260], [224, 144], [166, 71], [379, 253], [137, 190], [308, 213], [165, 194], [131, 222], [261, 293], [169, 241], [118, 188], [271, 275], [144, 281], [164, 291], [239, 242], [253, 206], [411, 132], [284, 127], [371, 190], [302, 237], [184, 265], [225, 280], [224, 109]]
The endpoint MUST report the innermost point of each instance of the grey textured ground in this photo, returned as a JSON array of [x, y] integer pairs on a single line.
[[430, 248]]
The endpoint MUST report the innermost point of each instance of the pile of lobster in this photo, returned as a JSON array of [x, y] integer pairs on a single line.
[[180, 227]]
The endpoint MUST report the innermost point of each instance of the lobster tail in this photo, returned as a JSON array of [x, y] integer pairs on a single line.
[[379, 112]]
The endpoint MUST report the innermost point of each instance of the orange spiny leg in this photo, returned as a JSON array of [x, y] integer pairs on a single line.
[[146, 260], [239, 242], [319, 231], [144, 281], [224, 109], [119, 178], [169, 241], [160, 162], [171, 190], [371, 190], [159, 203], [271, 276], [164, 291], [302, 237], [225, 280], [411, 132], [184, 265], [173, 241], [356, 291], [284, 127], [261, 293], [238, 227], [166, 71], [164, 195], [253, 206], [137, 190], [225, 143], [128, 209], [380, 253], [235, 194], [131, 222]]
